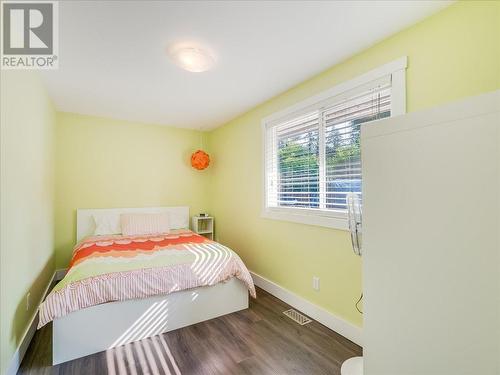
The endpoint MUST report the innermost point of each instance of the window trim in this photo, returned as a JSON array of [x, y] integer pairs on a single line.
[[331, 218]]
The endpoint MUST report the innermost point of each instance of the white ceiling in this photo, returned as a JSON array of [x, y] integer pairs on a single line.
[[113, 60]]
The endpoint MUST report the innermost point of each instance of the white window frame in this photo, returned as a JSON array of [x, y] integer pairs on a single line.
[[331, 218]]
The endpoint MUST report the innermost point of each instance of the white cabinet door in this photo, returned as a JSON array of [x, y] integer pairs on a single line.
[[431, 227]]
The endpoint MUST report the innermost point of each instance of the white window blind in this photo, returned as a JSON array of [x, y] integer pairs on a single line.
[[342, 124], [313, 158], [294, 163]]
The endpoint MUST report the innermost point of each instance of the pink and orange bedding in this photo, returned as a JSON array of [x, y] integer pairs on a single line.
[[117, 267]]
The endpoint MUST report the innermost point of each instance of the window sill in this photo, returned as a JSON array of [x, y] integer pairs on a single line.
[[335, 221]]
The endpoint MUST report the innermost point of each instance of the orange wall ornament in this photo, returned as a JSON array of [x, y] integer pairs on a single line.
[[200, 160]]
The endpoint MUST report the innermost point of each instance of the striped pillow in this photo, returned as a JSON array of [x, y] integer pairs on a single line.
[[135, 224]]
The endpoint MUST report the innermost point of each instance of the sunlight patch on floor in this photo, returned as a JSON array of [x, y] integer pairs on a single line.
[[153, 356]]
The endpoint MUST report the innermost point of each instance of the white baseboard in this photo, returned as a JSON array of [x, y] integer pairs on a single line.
[[16, 360], [339, 325]]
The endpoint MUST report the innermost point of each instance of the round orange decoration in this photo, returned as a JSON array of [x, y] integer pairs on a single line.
[[200, 160]]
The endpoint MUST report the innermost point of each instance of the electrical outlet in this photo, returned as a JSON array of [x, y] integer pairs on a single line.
[[315, 282], [28, 301]]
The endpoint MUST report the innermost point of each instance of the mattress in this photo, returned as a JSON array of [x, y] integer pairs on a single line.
[[116, 268]]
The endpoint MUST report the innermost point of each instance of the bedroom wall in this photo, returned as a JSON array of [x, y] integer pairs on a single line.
[[26, 201], [451, 55], [104, 163]]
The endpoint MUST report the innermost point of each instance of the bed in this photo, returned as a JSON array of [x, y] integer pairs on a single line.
[[182, 279]]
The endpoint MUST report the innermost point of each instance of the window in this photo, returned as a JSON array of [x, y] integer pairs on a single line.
[[313, 154]]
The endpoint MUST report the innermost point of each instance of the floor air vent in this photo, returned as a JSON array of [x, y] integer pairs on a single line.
[[297, 317]]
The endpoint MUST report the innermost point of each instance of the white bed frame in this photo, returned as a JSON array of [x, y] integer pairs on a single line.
[[112, 324]]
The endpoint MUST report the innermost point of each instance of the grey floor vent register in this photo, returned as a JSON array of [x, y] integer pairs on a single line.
[[297, 317]]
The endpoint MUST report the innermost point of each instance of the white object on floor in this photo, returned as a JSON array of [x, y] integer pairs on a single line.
[[112, 324], [352, 366]]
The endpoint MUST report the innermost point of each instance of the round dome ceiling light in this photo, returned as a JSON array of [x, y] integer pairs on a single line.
[[192, 59]]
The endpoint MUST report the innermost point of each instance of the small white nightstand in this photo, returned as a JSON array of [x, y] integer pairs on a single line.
[[203, 225]]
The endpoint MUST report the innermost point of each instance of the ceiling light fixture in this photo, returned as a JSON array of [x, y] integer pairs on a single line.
[[192, 59]]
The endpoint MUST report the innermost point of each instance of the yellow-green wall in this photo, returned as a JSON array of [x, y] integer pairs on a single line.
[[27, 201], [104, 163], [453, 54]]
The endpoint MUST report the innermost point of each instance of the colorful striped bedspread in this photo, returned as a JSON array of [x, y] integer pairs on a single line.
[[117, 268]]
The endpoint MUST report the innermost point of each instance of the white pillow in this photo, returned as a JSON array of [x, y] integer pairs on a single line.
[[107, 223], [136, 224], [178, 221]]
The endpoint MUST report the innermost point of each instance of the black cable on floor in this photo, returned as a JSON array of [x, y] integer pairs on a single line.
[[357, 303]]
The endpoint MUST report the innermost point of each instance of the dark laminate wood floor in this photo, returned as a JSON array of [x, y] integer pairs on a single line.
[[259, 340]]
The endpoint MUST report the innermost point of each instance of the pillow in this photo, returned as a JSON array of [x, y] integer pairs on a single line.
[[108, 223], [134, 224]]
